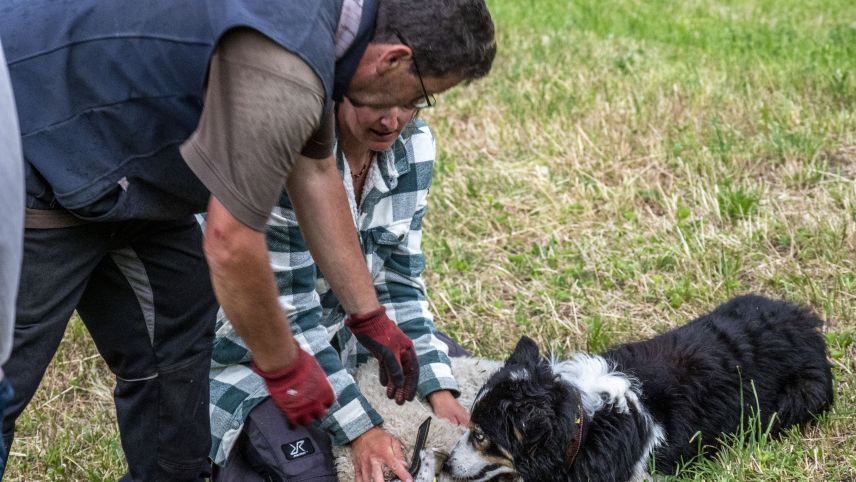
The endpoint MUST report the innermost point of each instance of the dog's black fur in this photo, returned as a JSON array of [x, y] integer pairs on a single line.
[[768, 354]]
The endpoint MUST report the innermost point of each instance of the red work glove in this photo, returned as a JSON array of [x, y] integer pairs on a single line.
[[399, 367], [301, 390]]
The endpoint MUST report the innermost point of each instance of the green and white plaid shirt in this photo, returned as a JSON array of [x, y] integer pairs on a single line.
[[389, 220]]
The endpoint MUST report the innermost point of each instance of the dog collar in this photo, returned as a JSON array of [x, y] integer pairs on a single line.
[[574, 447]]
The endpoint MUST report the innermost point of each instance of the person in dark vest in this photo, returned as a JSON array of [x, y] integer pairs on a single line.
[[136, 115]]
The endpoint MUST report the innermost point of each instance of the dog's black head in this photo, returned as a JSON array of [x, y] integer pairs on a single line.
[[522, 424]]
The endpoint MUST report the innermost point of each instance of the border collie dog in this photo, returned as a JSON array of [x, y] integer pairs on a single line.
[[606, 417]]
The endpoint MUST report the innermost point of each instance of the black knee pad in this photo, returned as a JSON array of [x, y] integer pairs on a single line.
[[279, 452]]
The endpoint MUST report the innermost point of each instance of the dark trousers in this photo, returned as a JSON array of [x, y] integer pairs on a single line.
[[271, 450], [144, 293], [5, 397]]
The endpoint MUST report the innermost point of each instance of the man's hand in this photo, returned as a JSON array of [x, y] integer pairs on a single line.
[[374, 450], [301, 390], [445, 405], [399, 367]]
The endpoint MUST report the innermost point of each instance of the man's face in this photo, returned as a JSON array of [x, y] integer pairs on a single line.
[[384, 79], [403, 91]]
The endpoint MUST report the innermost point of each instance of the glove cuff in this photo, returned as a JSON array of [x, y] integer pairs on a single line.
[[371, 321], [293, 373]]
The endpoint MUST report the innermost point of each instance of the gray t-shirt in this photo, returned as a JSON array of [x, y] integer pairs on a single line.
[[264, 106], [11, 210]]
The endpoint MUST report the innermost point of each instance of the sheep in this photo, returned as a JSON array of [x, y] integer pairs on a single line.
[[403, 421]]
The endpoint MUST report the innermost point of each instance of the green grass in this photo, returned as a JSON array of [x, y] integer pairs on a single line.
[[626, 167]]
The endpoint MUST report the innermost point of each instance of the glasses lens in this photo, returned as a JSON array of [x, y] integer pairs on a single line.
[[425, 102]]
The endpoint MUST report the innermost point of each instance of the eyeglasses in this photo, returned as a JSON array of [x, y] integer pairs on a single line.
[[428, 100]]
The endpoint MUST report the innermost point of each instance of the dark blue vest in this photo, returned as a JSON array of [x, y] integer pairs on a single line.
[[108, 89]]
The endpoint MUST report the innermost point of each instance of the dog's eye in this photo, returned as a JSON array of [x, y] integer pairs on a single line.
[[478, 436]]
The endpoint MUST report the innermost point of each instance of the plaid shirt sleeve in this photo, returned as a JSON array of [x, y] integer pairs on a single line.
[[399, 283], [236, 389]]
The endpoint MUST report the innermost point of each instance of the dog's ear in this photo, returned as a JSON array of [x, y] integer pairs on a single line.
[[526, 352]]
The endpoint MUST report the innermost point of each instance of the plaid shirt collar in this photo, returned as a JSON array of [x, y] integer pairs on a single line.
[[387, 166]]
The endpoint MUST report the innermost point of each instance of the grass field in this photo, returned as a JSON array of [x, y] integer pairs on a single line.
[[627, 166]]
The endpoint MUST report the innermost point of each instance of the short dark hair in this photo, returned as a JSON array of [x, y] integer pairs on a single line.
[[446, 36]]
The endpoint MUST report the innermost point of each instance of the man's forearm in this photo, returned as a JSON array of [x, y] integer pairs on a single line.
[[316, 191], [245, 287]]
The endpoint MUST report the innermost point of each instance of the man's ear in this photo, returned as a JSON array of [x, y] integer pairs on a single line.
[[393, 57]]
